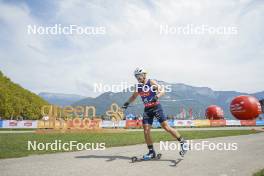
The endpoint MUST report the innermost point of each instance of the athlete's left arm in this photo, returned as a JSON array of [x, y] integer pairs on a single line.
[[160, 90]]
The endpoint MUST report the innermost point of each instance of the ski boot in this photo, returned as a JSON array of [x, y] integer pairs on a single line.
[[150, 155], [184, 147]]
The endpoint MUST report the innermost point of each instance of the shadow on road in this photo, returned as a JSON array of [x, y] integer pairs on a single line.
[[115, 157]]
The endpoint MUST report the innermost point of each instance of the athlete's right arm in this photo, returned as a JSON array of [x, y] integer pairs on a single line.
[[131, 99]]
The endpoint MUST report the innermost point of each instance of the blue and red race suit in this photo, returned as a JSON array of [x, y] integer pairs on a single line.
[[152, 108]]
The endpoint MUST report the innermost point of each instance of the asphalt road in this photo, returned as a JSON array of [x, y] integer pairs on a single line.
[[248, 158]]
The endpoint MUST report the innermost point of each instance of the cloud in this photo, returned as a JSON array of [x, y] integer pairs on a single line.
[[72, 63]]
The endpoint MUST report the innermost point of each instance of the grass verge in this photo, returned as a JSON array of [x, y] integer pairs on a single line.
[[259, 173], [15, 144]]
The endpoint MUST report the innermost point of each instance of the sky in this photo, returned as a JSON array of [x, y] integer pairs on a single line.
[[132, 38]]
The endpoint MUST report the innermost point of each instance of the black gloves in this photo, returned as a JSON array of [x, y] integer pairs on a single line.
[[125, 105]]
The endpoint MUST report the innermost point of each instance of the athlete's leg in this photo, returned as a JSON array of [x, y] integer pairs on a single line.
[[170, 130], [164, 124], [147, 123], [159, 114], [176, 134], [147, 134], [148, 139]]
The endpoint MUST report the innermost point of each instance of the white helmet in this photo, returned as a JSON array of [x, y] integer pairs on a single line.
[[139, 71]]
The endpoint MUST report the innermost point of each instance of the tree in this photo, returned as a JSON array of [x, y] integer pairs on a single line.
[[15, 101]]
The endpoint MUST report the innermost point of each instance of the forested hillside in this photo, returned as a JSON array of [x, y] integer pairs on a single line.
[[17, 102]]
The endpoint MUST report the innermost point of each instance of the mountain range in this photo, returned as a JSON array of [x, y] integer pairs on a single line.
[[181, 98], [60, 98]]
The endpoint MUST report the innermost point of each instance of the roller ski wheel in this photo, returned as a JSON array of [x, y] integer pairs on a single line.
[[182, 153], [134, 159], [158, 156]]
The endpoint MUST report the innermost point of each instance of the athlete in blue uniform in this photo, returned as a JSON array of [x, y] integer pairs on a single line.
[[150, 92]]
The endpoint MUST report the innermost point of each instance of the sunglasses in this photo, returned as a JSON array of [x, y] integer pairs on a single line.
[[139, 76]]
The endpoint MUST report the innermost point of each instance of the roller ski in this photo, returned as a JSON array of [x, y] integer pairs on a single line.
[[147, 157]]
